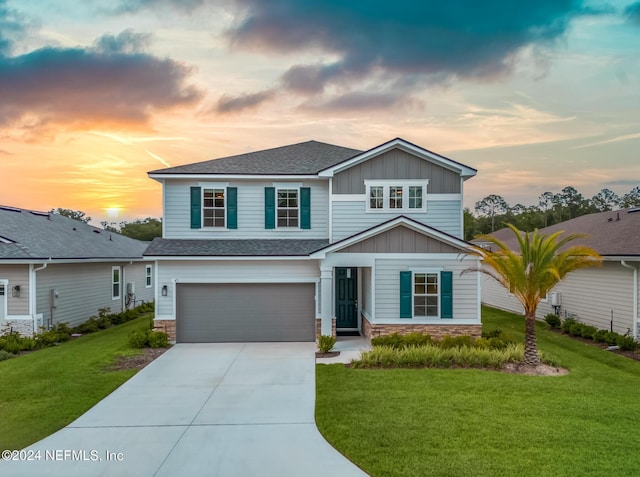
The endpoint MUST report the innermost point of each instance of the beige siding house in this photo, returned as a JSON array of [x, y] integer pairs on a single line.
[[605, 297], [57, 270]]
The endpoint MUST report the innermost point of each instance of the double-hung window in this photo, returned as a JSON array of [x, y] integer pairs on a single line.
[[115, 283], [396, 196], [213, 207], [148, 276], [426, 294], [287, 208]]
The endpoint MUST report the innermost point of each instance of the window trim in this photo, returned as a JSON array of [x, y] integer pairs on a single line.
[[213, 186], [114, 282], [148, 276], [283, 187], [438, 294], [386, 185]]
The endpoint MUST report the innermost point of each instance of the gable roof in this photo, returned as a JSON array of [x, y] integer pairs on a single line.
[[390, 224], [615, 233], [305, 158], [27, 235], [233, 247]]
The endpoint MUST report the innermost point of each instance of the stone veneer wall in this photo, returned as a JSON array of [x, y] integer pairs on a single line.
[[168, 326], [24, 327], [319, 328], [372, 330]]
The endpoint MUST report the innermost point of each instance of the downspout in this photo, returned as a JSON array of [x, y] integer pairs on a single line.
[[33, 295], [635, 297]]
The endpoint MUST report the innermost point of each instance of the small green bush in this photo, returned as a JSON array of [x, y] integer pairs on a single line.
[[576, 329], [5, 355], [626, 343], [599, 336], [611, 338], [103, 322], [11, 342], [553, 320], [456, 342], [567, 324], [497, 333], [588, 331], [138, 339], [157, 339], [326, 343], [417, 339], [89, 326], [394, 340]]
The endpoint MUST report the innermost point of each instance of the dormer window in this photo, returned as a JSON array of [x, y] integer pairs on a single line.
[[396, 196]]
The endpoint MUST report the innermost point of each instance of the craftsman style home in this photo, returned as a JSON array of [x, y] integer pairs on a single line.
[[289, 243]]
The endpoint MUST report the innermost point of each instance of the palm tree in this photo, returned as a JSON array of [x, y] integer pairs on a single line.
[[531, 272]]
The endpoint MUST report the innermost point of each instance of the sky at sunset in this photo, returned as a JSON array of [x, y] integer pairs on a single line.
[[93, 94]]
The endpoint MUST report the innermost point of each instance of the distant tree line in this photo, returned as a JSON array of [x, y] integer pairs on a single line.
[[493, 212], [140, 229]]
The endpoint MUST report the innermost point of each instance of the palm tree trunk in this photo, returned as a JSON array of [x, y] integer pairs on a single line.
[[531, 357]]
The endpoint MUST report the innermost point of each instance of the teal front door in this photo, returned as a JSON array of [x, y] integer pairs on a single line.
[[346, 297]]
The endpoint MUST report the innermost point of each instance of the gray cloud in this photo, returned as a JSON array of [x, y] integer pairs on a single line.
[[360, 101], [13, 26], [428, 42], [133, 6], [632, 12], [111, 83], [230, 104]]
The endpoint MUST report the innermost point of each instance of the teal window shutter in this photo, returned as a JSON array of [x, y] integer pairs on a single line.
[[196, 208], [406, 297], [232, 207], [305, 207], [269, 207], [446, 294]]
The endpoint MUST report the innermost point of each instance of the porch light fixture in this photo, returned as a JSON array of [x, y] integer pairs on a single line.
[[165, 291], [15, 292]]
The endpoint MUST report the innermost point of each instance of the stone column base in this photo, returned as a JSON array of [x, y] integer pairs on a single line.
[[319, 328], [167, 326]]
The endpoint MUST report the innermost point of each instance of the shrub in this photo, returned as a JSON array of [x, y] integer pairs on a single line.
[[576, 329], [599, 336], [611, 338], [138, 339], [553, 320], [626, 343], [157, 339], [497, 333], [417, 339], [5, 355], [567, 324], [456, 342], [394, 340], [89, 326], [326, 343], [588, 331], [11, 342]]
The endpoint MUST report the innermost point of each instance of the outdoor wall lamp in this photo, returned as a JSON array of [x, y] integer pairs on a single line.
[[16, 291], [165, 290]]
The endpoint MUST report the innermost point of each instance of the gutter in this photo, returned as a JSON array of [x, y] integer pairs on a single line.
[[635, 297], [33, 295]]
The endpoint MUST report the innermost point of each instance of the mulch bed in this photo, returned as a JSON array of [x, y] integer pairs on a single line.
[[330, 354], [627, 354], [139, 361]]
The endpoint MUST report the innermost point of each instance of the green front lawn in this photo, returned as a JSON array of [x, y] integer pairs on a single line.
[[435, 422], [44, 391]]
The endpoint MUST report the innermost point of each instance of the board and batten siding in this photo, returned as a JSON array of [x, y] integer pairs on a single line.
[[83, 289], [223, 271], [387, 280], [590, 295], [396, 164], [250, 215], [351, 217], [16, 275]]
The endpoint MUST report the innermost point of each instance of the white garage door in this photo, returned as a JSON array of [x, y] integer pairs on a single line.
[[236, 312]]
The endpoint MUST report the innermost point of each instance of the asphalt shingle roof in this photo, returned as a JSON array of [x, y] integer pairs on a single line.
[[614, 233], [297, 159], [36, 235], [233, 248]]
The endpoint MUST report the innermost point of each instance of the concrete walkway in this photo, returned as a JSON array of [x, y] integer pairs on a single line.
[[228, 409]]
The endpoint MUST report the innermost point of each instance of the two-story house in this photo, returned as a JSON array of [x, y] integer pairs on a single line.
[[289, 243]]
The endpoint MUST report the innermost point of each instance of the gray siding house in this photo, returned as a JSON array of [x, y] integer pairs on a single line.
[[289, 243], [606, 296], [57, 270]]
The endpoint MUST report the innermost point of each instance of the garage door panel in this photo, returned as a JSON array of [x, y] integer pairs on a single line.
[[235, 312]]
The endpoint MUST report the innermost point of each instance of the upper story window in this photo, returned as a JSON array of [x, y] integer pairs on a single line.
[[393, 196], [213, 207], [287, 208]]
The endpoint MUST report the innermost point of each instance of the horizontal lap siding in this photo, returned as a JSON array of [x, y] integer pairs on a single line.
[[136, 273], [387, 279], [16, 275], [589, 294], [351, 217], [229, 271], [177, 222]]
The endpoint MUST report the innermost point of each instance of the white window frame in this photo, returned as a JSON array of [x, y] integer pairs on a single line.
[[283, 187], [4, 301], [148, 276], [413, 292], [212, 186], [214, 208], [386, 195], [114, 283]]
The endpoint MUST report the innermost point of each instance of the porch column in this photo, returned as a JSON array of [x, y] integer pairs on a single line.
[[326, 299]]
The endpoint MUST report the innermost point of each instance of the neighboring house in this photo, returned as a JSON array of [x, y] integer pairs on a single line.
[[606, 296], [54, 269], [289, 243]]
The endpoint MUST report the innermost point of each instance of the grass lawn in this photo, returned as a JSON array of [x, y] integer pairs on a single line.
[[44, 391], [435, 422]]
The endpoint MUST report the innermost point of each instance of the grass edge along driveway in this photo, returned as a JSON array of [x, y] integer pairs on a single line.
[[44, 391], [440, 422]]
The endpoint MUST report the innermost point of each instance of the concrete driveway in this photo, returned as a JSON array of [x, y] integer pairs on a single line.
[[227, 409]]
